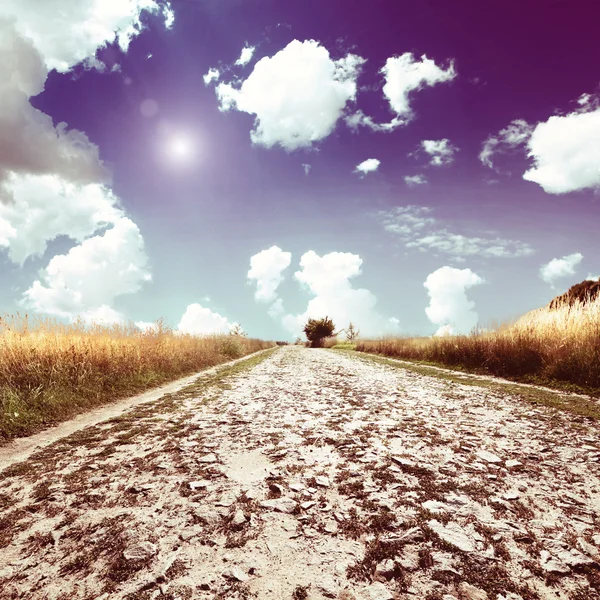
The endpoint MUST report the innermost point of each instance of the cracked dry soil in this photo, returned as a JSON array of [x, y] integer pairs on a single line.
[[311, 474]]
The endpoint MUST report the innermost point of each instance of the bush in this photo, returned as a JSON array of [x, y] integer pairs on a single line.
[[231, 347], [316, 330]]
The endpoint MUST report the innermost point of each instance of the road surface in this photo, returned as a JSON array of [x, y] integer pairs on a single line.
[[311, 474]]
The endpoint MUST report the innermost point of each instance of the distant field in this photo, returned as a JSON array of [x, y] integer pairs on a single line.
[[50, 372], [558, 347]]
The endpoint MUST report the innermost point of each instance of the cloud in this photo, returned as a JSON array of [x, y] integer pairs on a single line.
[[43, 207], [449, 307], [420, 230], [405, 75], [584, 99], [212, 75], [441, 152], [266, 270], [198, 320], [297, 96], [444, 330], [306, 168], [327, 278], [52, 181], [515, 134], [566, 153], [560, 267], [367, 166], [276, 308], [415, 180], [359, 119], [146, 326], [29, 141], [169, 15], [460, 245], [67, 33], [407, 221], [92, 274], [565, 149], [245, 56], [102, 315]]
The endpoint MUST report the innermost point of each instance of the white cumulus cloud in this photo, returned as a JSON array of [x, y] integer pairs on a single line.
[[42, 207], [103, 315], [560, 267], [327, 278], [211, 75], [449, 307], [245, 56], [405, 75], [52, 181], [565, 149], [266, 270], [297, 96], [92, 274], [29, 141], [146, 326], [199, 320], [441, 152], [367, 166], [67, 33], [566, 153]]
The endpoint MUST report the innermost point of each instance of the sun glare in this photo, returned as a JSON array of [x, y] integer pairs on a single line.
[[180, 148]]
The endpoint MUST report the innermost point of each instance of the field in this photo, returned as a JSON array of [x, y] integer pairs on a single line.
[[558, 347], [49, 371]]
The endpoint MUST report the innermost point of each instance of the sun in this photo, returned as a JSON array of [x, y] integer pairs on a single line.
[[180, 148]]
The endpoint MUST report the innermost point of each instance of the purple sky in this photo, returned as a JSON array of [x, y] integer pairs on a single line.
[[158, 211]]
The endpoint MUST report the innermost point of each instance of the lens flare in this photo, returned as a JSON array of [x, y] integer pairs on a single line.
[[179, 148]]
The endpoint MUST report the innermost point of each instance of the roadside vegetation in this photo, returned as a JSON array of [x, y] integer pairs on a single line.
[[50, 372], [319, 330], [557, 346]]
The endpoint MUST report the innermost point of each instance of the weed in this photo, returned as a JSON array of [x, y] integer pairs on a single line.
[[300, 593]]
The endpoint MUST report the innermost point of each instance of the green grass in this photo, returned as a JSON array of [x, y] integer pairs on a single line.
[[344, 346]]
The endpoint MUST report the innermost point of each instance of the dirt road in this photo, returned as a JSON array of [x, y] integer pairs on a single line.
[[311, 474]]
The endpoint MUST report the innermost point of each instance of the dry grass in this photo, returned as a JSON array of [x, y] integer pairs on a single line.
[[50, 371], [559, 347]]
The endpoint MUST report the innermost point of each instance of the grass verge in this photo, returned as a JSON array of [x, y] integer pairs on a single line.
[[557, 347], [568, 402], [139, 420], [50, 372]]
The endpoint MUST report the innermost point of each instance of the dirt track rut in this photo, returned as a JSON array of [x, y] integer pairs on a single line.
[[311, 474]]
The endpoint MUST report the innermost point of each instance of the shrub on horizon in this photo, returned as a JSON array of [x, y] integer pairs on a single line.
[[316, 330]]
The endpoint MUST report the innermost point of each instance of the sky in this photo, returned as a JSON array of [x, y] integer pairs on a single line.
[[417, 168]]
